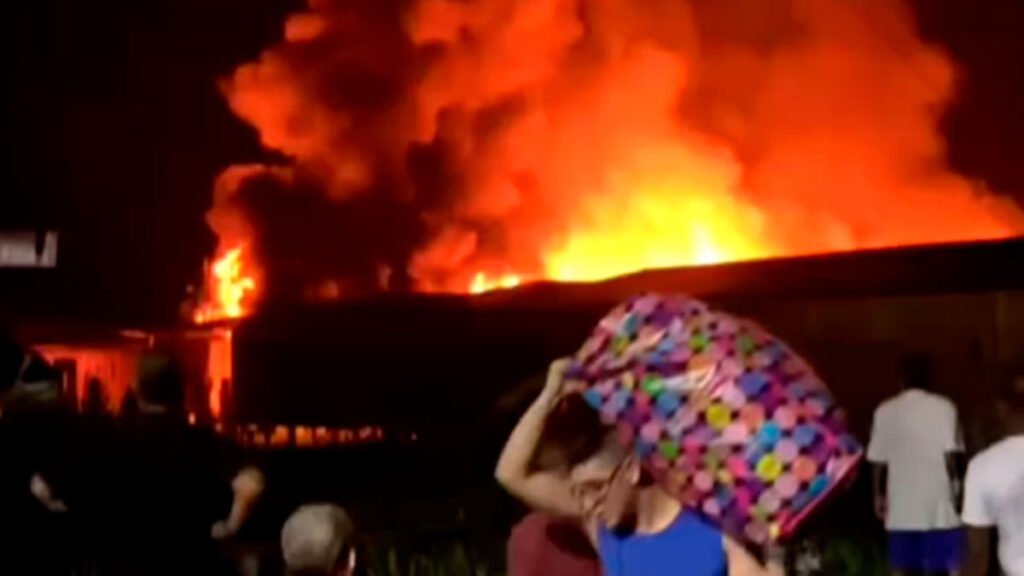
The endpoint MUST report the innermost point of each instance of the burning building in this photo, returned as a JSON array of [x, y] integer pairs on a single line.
[[99, 363], [434, 364], [452, 147]]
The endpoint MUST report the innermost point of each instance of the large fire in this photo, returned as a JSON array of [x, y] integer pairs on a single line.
[[584, 139], [229, 287]]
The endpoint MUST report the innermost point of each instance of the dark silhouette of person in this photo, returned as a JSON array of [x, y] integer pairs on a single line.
[[176, 488], [129, 408], [37, 442], [95, 402]]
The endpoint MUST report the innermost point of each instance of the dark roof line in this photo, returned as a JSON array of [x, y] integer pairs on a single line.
[[918, 270], [931, 269]]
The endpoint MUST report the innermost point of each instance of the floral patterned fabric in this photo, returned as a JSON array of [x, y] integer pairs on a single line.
[[725, 415]]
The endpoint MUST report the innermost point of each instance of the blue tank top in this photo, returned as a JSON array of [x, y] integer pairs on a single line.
[[688, 547]]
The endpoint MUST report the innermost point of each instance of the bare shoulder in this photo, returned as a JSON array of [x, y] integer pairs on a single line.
[[999, 452], [895, 402], [943, 401], [946, 408], [884, 408], [742, 563]]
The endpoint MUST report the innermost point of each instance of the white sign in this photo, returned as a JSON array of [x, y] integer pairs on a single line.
[[23, 250]]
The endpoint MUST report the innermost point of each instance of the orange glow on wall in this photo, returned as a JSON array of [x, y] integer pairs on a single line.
[[219, 370], [115, 368]]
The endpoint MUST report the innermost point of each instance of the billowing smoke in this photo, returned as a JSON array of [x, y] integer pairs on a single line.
[[426, 141]]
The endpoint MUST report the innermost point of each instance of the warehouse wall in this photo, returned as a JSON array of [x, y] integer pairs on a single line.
[[857, 344], [351, 365]]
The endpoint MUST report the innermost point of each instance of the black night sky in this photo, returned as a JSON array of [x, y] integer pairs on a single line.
[[114, 131]]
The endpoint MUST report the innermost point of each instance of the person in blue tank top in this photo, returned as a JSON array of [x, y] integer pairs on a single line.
[[637, 528]]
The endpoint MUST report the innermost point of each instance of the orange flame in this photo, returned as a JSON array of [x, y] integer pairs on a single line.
[[229, 288], [658, 217], [483, 283]]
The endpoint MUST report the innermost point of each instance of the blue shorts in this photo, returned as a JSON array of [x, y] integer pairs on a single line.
[[927, 550]]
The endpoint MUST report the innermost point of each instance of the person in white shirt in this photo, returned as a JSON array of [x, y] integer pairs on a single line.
[[916, 448], [994, 493]]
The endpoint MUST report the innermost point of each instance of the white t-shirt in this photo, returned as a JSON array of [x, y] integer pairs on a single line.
[[912, 434], [994, 496]]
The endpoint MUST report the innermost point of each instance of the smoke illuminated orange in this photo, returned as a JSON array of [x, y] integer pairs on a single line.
[[229, 288], [542, 140]]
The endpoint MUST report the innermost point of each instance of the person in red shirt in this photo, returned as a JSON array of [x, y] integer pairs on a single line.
[[541, 545]]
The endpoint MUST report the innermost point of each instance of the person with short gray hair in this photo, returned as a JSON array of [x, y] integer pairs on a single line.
[[317, 540]]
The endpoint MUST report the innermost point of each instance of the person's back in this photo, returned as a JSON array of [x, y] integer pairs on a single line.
[[912, 437], [541, 544], [916, 451], [170, 485], [994, 491], [32, 445], [177, 488], [163, 493], [995, 497], [654, 555], [37, 441]]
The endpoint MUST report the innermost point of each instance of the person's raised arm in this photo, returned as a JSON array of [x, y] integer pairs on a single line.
[[247, 484], [978, 551], [246, 488], [878, 456], [42, 492], [545, 490]]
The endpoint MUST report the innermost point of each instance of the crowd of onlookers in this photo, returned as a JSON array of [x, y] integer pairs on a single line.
[[598, 512], [145, 493], [148, 493], [940, 512]]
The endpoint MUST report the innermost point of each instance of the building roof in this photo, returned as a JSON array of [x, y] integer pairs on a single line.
[[933, 269]]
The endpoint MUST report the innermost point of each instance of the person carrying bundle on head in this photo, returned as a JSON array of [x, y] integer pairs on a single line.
[[708, 441]]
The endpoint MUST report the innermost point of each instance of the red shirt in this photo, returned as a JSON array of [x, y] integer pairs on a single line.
[[541, 546]]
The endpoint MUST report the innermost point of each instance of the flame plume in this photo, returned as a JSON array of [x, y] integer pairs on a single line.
[[478, 144], [230, 287]]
